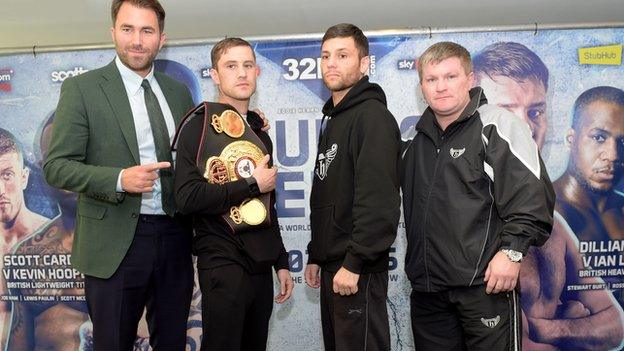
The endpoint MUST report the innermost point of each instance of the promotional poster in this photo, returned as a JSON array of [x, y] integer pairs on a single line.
[[566, 84]]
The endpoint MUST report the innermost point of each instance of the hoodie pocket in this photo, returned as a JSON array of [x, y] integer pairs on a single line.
[[328, 239]]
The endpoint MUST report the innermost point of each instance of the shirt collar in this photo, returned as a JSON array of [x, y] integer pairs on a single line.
[[132, 81]]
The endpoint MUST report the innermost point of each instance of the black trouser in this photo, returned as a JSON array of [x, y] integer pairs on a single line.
[[236, 308], [466, 319], [157, 273], [356, 322]]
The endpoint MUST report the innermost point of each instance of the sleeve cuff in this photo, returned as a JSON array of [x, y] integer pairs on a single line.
[[282, 262], [119, 188], [516, 244], [352, 263], [254, 190]]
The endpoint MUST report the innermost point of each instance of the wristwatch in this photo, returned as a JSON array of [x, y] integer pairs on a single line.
[[513, 255]]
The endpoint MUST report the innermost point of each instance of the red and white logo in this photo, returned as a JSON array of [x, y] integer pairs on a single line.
[[6, 74]]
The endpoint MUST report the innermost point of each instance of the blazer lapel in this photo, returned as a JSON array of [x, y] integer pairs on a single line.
[[170, 95], [115, 92]]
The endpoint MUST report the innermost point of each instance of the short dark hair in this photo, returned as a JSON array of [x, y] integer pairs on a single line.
[[224, 45], [9, 144], [605, 94], [347, 30], [509, 59], [153, 5]]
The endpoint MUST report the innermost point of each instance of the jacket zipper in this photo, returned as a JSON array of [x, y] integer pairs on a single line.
[[435, 172]]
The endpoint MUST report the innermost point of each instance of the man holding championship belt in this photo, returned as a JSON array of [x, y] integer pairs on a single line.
[[225, 179]]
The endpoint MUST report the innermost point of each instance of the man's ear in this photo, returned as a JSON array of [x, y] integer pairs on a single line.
[[364, 64], [569, 138], [471, 79], [215, 76], [25, 175], [163, 38]]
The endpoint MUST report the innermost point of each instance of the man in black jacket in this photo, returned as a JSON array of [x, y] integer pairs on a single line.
[[355, 198], [475, 196], [234, 267], [554, 314]]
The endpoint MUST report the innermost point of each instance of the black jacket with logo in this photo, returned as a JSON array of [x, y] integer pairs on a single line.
[[469, 191], [355, 194]]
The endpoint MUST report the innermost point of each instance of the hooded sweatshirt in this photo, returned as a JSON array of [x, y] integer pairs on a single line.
[[355, 193]]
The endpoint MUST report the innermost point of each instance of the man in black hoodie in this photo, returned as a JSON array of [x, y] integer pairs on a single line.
[[234, 267], [355, 198], [475, 197]]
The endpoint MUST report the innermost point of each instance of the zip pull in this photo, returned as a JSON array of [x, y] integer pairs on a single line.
[[438, 150], [321, 129]]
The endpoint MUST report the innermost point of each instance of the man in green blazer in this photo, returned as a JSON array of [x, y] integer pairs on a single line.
[[110, 143]]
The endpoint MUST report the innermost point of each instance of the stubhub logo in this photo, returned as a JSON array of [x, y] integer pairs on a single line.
[[60, 76]]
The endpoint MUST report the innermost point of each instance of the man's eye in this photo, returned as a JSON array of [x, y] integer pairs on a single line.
[[535, 114], [599, 138], [7, 175]]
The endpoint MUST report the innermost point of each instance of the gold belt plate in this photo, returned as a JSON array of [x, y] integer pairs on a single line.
[[229, 122], [237, 160]]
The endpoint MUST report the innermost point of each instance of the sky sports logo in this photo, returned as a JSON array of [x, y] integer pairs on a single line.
[[205, 73], [6, 74], [406, 64]]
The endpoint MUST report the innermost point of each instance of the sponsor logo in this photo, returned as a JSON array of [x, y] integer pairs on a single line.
[[373, 65], [601, 55], [324, 160], [490, 322], [455, 153], [309, 68], [205, 73], [406, 64], [60, 76], [306, 68], [6, 74]]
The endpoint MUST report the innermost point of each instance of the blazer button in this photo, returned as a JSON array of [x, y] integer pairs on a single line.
[[134, 215]]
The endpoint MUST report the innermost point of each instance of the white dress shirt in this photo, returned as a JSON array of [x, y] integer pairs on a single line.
[[151, 202]]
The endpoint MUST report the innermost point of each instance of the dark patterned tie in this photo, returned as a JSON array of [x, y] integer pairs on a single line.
[[161, 141]]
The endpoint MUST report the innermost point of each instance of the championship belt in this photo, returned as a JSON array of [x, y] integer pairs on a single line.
[[229, 150]]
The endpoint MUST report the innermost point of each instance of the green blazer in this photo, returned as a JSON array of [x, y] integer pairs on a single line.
[[93, 139]]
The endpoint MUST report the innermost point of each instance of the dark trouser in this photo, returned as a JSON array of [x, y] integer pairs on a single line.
[[157, 273], [466, 319], [356, 322], [236, 308]]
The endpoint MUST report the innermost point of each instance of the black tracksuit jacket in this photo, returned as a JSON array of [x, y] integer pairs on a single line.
[[469, 191], [355, 193]]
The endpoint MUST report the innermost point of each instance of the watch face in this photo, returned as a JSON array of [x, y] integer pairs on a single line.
[[244, 167], [514, 256]]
